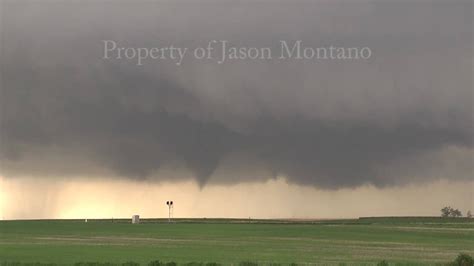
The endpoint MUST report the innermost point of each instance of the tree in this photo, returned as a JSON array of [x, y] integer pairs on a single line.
[[469, 214], [446, 211], [450, 212], [456, 213]]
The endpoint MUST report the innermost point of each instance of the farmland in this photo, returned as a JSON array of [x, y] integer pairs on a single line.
[[365, 241]]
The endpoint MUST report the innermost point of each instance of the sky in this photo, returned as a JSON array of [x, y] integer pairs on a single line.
[[83, 135]]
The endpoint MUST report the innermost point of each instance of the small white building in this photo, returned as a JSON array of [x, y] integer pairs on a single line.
[[135, 219]]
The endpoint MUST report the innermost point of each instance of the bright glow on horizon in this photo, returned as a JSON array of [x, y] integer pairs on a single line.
[[30, 198]]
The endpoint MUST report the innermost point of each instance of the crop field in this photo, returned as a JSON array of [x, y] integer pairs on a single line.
[[365, 241]]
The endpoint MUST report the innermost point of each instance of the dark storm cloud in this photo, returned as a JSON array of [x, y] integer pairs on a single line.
[[391, 120]]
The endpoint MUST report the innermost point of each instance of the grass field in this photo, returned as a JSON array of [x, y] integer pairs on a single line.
[[413, 241]]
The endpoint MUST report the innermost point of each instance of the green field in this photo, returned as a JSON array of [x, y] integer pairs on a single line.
[[413, 241]]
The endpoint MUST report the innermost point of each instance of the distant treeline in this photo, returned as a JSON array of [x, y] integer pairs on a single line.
[[360, 220]]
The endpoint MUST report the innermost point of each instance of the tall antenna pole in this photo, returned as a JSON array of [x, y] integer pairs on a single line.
[[170, 207]]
